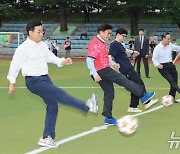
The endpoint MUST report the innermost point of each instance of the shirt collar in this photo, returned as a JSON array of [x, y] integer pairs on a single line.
[[100, 38], [162, 46], [31, 42]]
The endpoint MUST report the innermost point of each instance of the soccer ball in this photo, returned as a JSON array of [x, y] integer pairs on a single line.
[[127, 124], [167, 100]]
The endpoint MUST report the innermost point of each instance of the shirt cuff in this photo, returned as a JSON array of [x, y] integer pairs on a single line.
[[59, 63], [112, 63], [11, 80]]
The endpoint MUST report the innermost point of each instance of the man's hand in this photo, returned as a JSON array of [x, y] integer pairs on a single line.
[[136, 53], [116, 66], [67, 61], [11, 88], [97, 78], [160, 66], [146, 56]]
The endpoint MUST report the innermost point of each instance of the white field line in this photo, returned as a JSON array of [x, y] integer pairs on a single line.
[[150, 110], [95, 129], [86, 88]]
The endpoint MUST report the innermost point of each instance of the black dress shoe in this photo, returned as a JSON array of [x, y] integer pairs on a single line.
[[147, 76]]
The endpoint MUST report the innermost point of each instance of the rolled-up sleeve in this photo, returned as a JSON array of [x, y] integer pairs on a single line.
[[51, 58], [176, 48], [155, 57], [15, 66]]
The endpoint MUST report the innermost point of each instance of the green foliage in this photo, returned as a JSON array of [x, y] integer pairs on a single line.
[[50, 2], [45, 2], [122, 10], [172, 9], [9, 11]]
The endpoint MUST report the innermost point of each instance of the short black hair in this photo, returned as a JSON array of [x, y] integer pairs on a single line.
[[104, 27], [121, 31], [164, 35], [141, 29], [31, 26]]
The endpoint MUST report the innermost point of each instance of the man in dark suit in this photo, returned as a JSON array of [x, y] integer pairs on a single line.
[[142, 46], [86, 13]]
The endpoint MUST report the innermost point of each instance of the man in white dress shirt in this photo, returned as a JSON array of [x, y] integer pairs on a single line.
[[48, 43], [32, 57], [162, 59]]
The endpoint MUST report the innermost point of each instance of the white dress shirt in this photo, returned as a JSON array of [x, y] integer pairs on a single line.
[[163, 54], [32, 58], [48, 43], [141, 40]]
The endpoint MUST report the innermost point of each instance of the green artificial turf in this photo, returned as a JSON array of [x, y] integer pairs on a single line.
[[22, 117]]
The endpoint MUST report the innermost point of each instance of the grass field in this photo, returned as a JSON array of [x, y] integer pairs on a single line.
[[22, 117]]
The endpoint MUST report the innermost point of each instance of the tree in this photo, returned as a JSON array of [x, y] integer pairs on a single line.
[[8, 11], [172, 9], [63, 17], [136, 8], [63, 4]]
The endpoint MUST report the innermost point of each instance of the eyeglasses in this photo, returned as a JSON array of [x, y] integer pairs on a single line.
[[108, 33], [40, 32], [123, 35]]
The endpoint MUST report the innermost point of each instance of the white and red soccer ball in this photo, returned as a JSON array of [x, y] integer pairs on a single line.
[[167, 100], [127, 124]]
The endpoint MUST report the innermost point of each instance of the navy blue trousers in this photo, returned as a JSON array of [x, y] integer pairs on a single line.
[[52, 95], [132, 75]]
